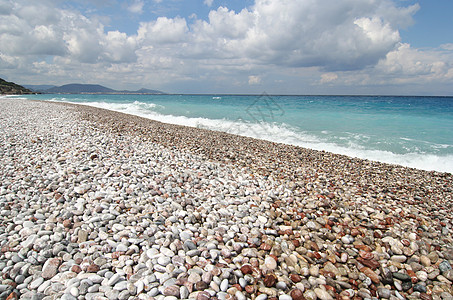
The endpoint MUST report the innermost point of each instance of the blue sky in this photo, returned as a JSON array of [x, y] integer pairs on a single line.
[[231, 46], [433, 24]]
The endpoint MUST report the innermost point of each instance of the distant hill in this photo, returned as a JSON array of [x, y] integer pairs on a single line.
[[10, 88], [38, 87], [148, 91], [76, 88]]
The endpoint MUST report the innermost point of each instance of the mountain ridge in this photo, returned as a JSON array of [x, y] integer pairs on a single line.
[[11, 88], [78, 88]]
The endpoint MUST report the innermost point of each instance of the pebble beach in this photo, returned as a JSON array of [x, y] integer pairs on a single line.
[[96, 204]]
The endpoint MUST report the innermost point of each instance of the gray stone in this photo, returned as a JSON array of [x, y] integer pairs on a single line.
[[420, 288], [36, 283], [444, 266], [124, 295], [384, 292], [68, 297]]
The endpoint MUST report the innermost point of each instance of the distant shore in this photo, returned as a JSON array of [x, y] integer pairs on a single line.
[[106, 205]]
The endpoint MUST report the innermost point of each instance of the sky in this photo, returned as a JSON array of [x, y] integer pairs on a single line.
[[372, 47]]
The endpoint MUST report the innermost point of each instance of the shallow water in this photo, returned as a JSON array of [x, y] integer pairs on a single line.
[[410, 131]]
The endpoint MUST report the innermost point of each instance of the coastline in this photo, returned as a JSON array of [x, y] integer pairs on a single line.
[[330, 221], [402, 145]]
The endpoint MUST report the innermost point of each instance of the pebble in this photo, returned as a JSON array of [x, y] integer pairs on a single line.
[[444, 266], [270, 263], [322, 294], [384, 293], [50, 268], [224, 285], [98, 206]]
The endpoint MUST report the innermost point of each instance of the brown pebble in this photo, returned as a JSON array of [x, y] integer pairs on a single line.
[[172, 290], [297, 294], [370, 273], [366, 255], [12, 296], [201, 285], [246, 269], [270, 280], [250, 289], [295, 278], [425, 296], [355, 232], [412, 275], [364, 248], [203, 296], [372, 264], [93, 268], [50, 268], [67, 223], [76, 269]]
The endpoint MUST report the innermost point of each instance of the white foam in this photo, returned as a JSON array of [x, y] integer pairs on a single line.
[[282, 133]]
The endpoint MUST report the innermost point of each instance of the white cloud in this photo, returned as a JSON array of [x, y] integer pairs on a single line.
[[119, 48], [334, 35], [208, 2], [254, 80], [163, 31], [412, 65], [331, 42], [328, 78], [136, 7], [448, 47]]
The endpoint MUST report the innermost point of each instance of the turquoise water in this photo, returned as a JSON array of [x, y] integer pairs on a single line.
[[410, 131]]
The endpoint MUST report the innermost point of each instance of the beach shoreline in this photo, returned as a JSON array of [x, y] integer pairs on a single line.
[[215, 215]]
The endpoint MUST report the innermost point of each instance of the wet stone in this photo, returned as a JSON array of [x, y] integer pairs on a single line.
[[419, 288], [401, 276], [444, 266], [406, 285]]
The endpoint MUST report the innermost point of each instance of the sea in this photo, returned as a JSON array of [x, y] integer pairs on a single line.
[[405, 130]]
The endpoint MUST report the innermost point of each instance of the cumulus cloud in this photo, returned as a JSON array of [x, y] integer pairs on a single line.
[[136, 7], [334, 35], [334, 42], [412, 65], [118, 47], [163, 31], [22, 33], [254, 80], [36, 30]]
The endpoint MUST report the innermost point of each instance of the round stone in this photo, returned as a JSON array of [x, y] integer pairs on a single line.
[[444, 266], [270, 263]]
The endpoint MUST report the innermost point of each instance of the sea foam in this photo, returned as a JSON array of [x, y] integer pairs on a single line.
[[283, 133]]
